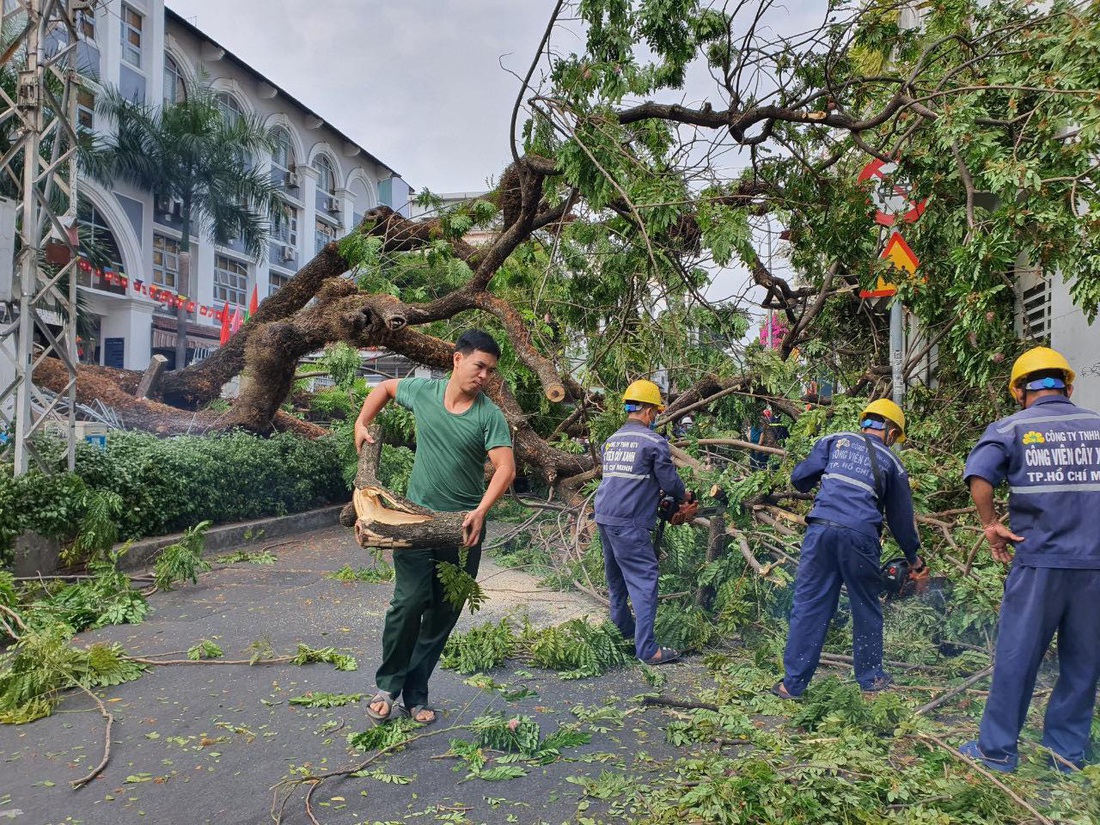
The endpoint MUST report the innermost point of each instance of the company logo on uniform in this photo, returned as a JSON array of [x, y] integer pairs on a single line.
[[844, 442], [1032, 437]]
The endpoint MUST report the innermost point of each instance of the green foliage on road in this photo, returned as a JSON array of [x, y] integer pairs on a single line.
[[39, 619], [318, 699], [44, 664], [836, 756], [577, 649], [381, 572], [182, 560]]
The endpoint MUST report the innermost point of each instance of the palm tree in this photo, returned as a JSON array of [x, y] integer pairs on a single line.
[[191, 152]]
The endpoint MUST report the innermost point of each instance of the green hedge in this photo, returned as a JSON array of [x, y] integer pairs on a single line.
[[50, 505], [167, 485]]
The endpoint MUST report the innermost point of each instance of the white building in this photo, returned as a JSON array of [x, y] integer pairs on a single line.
[[1047, 315], [328, 182]]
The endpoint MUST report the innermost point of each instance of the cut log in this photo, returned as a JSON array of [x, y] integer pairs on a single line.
[[392, 522]]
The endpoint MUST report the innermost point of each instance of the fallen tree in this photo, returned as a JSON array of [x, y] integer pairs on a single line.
[[115, 388], [607, 225]]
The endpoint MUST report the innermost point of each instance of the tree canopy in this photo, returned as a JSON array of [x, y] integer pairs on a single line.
[[644, 161]]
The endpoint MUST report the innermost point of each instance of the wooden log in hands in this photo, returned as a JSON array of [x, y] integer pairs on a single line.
[[383, 519]]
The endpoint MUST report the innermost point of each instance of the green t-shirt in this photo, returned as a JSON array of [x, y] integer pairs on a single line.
[[448, 473]]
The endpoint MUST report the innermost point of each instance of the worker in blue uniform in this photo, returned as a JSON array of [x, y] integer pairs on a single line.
[[860, 480], [637, 467], [1049, 453]]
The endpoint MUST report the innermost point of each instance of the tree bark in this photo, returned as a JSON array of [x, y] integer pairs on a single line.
[[716, 548], [150, 380]]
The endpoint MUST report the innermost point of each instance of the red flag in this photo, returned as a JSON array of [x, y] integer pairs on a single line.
[[237, 321], [254, 304], [225, 324]]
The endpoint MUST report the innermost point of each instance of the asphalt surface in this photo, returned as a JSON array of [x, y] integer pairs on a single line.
[[207, 743]]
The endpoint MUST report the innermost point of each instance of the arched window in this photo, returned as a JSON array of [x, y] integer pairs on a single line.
[[283, 168], [361, 199], [329, 204], [175, 89], [102, 259], [230, 108], [326, 176]]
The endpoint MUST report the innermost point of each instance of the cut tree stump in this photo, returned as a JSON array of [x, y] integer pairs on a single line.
[[383, 519], [150, 381]]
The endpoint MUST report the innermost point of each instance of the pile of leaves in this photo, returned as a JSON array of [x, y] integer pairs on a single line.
[[837, 756], [39, 619], [577, 649]]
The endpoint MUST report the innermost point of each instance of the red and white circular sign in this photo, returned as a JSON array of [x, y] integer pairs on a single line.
[[891, 194]]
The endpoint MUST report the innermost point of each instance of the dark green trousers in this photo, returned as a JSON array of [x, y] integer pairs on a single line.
[[418, 622]]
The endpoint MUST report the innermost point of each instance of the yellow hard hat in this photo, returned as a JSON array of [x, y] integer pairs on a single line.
[[1038, 359], [644, 392], [888, 410]]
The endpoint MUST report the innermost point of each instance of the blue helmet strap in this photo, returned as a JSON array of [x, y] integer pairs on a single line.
[[634, 406], [1048, 383], [871, 424]]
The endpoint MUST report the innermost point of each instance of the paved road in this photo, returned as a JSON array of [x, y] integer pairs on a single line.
[[205, 743]]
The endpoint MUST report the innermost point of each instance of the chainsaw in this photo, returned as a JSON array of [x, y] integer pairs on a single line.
[[900, 579]]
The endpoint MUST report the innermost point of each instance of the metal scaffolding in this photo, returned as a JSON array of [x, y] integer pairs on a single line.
[[38, 84]]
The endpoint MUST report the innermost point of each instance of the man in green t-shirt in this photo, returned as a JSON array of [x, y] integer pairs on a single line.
[[457, 426]]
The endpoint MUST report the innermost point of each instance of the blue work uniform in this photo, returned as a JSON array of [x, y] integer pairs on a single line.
[[1049, 454], [842, 546], [637, 466]]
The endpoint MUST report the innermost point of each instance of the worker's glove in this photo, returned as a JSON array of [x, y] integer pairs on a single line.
[[687, 510], [920, 575]]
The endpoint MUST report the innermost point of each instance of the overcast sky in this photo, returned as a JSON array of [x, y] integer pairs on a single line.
[[418, 83]]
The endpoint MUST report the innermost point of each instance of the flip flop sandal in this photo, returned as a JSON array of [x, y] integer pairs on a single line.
[[380, 697], [663, 656], [780, 690], [416, 710]]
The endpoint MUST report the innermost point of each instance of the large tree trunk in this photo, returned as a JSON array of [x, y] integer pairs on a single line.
[[115, 389], [390, 521], [342, 314], [201, 383]]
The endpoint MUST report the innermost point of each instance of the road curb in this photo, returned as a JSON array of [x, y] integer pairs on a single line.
[[222, 537]]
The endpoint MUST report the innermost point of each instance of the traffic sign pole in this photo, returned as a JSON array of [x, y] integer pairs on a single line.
[[897, 348], [894, 205]]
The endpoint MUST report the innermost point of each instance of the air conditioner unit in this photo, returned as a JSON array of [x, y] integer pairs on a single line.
[[288, 253], [168, 208], [292, 180], [335, 206]]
